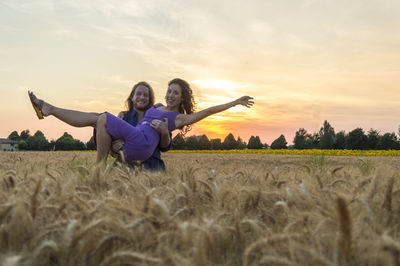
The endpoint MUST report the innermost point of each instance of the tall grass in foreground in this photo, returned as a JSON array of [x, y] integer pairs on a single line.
[[207, 209]]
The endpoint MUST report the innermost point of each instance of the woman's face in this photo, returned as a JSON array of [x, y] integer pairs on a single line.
[[174, 96], [141, 98]]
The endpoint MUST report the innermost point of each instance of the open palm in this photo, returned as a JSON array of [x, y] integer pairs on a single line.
[[245, 101]]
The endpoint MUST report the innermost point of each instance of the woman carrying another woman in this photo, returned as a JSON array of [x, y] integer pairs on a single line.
[[140, 99], [140, 141]]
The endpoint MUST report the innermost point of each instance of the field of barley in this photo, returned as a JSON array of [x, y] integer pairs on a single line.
[[59, 208]]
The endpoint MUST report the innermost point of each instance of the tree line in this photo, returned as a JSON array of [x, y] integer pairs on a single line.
[[38, 142], [357, 139], [203, 143], [325, 138]]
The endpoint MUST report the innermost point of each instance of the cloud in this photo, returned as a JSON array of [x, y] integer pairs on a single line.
[[109, 9], [118, 79], [7, 28], [6, 68], [29, 7]]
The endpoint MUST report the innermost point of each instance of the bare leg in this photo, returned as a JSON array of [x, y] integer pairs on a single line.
[[71, 117], [103, 138], [74, 118]]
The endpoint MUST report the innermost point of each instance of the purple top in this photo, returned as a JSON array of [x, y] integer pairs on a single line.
[[142, 140], [154, 113]]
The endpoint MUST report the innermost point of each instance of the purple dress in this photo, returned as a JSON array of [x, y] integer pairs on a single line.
[[142, 140]]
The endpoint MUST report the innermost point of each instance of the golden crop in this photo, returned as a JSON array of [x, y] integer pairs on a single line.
[[60, 208]]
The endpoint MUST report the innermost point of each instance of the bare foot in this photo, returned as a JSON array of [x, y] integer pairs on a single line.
[[46, 109], [43, 107]]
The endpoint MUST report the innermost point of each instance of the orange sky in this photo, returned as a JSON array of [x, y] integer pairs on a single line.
[[303, 61]]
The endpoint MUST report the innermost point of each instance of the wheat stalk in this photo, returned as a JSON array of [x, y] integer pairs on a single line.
[[387, 204], [34, 198], [129, 258], [345, 245]]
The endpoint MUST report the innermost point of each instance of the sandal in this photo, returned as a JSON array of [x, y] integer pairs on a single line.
[[37, 107]]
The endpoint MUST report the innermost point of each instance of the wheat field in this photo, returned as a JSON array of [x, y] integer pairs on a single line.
[[60, 208]]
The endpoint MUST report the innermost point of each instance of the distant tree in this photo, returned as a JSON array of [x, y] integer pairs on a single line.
[[279, 143], [258, 142], [356, 140], [78, 145], [192, 143], [229, 142], [254, 143], [388, 141], [250, 143], [315, 140], [327, 136], [44, 144], [302, 140], [90, 145], [38, 142], [373, 139], [340, 141], [64, 143], [32, 143], [204, 143], [39, 134], [178, 142], [14, 136], [216, 144], [24, 134], [22, 145], [241, 144]]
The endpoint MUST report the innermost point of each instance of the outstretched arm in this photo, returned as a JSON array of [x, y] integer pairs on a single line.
[[184, 120]]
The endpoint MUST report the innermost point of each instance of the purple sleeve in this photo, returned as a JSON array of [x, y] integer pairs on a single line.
[[171, 120]]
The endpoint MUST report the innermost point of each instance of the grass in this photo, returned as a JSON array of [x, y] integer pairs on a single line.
[[207, 209]]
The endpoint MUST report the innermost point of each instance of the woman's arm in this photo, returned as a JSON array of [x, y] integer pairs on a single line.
[[184, 120], [162, 128], [165, 141], [121, 114]]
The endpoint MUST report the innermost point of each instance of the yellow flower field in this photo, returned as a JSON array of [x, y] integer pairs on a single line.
[[301, 152]]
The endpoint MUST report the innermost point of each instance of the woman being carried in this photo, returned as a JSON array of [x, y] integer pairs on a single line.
[[140, 141]]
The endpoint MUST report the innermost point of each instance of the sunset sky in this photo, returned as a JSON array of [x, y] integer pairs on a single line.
[[304, 61]]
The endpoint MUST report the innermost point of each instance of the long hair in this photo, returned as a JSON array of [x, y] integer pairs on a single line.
[[129, 102], [188, 104]]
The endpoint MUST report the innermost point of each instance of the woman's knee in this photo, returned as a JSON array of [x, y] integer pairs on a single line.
[[101, 120]]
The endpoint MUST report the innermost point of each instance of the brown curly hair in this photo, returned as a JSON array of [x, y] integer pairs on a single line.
[[129, 102], [188, 104]]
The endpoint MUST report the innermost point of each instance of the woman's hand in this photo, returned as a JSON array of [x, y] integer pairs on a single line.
[[160, 126], [245, 101], [116, 145]]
